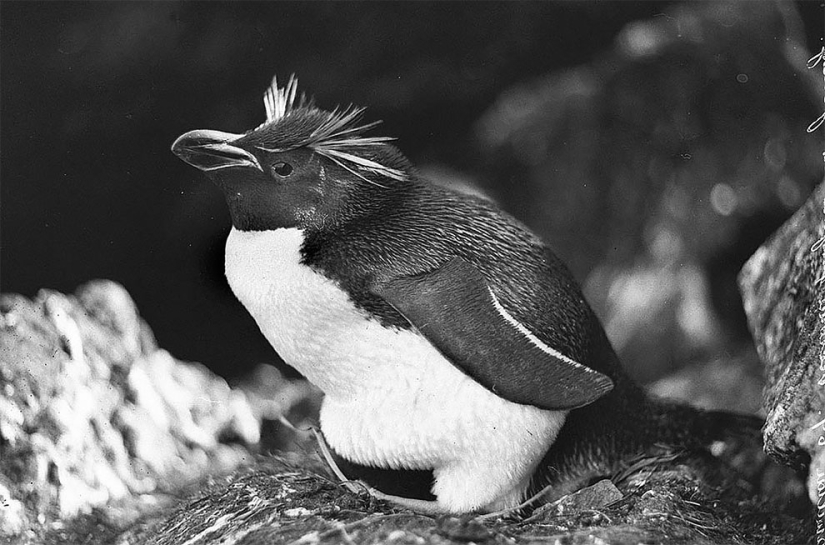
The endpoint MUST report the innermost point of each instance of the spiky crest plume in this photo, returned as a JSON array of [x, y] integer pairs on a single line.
[[338, 136]]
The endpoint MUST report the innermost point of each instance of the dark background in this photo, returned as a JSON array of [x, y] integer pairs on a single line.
[[653, 144]]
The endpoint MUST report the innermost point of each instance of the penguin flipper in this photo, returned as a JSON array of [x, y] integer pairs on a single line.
[[454, 308]]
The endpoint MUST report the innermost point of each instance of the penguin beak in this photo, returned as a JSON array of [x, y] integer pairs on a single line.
[[211, 150]]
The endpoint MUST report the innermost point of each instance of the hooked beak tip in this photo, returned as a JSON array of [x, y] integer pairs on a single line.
[[209, 150]]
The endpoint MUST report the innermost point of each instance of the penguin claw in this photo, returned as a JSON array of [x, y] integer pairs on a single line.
[[424, 507], [352, 486]]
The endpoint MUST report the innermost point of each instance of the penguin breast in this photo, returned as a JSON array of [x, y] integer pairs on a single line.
[[391, 399]]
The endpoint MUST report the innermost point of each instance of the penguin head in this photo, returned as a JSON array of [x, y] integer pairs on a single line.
[[302, 167]]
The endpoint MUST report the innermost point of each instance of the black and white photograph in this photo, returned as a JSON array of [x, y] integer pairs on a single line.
[[412, 272]]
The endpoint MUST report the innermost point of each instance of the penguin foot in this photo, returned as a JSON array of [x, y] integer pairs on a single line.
[[424, 507], [353, 486]]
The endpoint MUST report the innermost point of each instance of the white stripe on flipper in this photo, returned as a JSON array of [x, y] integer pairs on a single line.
[[392, 399], [535, 341]]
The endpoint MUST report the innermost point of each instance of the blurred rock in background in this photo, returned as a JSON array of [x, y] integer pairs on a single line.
[[656, 170]]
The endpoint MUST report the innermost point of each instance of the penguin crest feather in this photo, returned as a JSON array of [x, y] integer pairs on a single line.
[[338, 135]]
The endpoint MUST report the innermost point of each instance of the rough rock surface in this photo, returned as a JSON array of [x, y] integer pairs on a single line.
[[106, 439], [92, 412], [293, 501], [783, 287]]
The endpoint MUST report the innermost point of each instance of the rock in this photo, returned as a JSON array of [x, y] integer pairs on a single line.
[[108, 439], [784, 295], [463, 529], [276, 503], [588, 499], [92, 412], [13, 518], [598, 495]]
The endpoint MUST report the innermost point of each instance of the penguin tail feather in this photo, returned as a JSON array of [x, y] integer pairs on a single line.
[[693, 427]]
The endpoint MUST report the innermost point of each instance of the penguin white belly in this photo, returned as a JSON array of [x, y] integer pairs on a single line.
[[392, 400]]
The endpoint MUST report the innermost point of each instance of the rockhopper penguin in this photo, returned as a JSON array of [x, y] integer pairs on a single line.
[[461, 366]]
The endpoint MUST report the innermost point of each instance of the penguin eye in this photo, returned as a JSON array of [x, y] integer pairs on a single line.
[[282, 169]]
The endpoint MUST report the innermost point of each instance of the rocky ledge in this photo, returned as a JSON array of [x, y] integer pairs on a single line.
[[106, 438]]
